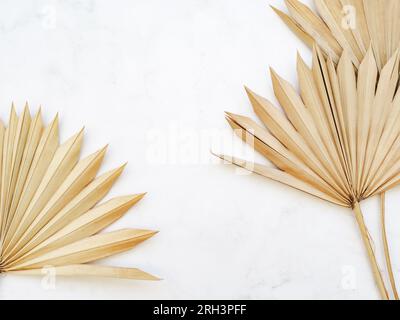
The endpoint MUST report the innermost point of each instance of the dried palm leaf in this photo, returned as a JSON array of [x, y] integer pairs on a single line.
[[338, 139], [48, 204], [351, 25], [354, 26]]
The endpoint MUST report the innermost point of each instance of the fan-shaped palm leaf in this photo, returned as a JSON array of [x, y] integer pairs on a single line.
[[338, 139], [48, 204], [354, 26]]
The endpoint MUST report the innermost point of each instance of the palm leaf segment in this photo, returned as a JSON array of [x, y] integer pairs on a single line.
[[351, 25]]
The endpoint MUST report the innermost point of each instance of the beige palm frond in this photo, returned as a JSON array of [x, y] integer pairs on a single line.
[[49, 211], [338, 139], [351, 25]]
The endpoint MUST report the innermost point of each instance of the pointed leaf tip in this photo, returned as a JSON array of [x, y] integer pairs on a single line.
[[280, 13]]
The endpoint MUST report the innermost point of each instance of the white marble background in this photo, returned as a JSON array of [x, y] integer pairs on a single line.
[[147, 75]]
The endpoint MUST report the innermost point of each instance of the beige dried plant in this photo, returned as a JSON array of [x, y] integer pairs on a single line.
[[351, 25], [342, 128], [49, 211], [338, 139]]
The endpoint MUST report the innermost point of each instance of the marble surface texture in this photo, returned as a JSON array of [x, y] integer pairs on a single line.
[[153, 78]]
